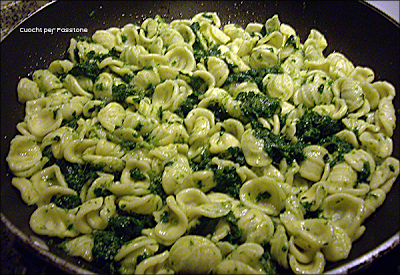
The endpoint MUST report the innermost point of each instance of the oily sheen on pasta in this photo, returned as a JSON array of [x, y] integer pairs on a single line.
[[192, 147]]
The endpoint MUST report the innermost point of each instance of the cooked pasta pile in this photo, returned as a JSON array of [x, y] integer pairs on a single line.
[[194, 147]]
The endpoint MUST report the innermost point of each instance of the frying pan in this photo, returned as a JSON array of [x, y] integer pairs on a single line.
[[363, 34]]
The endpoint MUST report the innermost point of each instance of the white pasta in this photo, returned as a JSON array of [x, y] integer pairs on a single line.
[[129, 253], [81, 246], [192, 147], [194, 254], [46, 81], [52, 221], [27, 90]]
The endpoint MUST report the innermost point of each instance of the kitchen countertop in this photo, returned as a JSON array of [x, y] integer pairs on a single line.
[[17, 259]]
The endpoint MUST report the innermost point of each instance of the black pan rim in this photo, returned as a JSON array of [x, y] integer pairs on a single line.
[[350, 267], [42, 252]]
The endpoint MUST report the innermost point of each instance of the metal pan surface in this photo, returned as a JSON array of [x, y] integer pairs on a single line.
[[363, 34]]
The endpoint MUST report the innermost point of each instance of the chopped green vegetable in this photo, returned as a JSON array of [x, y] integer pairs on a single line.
[[164, 218], [263, 196], [258, 105], [312, 127], [252, 75], [204, 226], [200, 53], [198, 85], [291, 42], [113, 53], [76, 175], [106, 246], [267, 263], [228, 180], [156, 185], [234, 154], [122, 91], [125, 227], [67, 201], [128, 144], [203, 163], [84, 38], [73, 123], [236, 233], [219, 111], [102, 191], [337, 147], [187, 105], [279, 147], [137, 175], [364, 173], [88, 68]]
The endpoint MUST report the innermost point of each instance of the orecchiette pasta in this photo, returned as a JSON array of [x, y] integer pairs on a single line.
[[81, 246], [192, 147]]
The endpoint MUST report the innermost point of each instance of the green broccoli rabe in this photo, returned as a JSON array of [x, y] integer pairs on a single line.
[[187, 105], [48, 153], [77, 175], [291, 42], [203, 163], [108, 242], [164, 217], [235, 236], [84, 38], [88, 68], [204, 226], [73, 123], [312, 127], [228, 180], [263, 196], [66, 201], [142, 257], [220, 114], [106, 246], [234, 154], [267, 263], [125, 227], [198, 85], [200, 53], [120, 229], [363, 175], [308, 213], [252, 75], [279, 147], [113, 53], [128, 145], [156, 185], [145, 221], [336, 147], [122, 91], [195, 27], [137, 175], [102, 191], [254, 106], [129, 225]]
